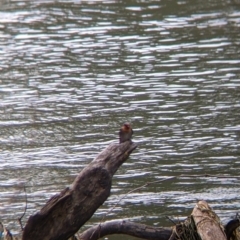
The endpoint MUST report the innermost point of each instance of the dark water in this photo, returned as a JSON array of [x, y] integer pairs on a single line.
[[73, 71]]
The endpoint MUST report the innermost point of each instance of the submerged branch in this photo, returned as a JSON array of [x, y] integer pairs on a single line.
[[126, 227]]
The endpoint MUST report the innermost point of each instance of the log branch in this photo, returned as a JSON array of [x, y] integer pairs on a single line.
[[66, 212], [126, 227]]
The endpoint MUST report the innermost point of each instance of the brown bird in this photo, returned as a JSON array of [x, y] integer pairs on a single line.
[[125, 133]]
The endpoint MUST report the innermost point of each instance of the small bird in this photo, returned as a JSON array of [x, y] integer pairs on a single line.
[[125, 133]]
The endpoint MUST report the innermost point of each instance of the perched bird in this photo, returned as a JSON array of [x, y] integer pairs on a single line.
[[125, 133]]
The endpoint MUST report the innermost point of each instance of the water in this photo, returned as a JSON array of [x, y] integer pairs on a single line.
[[73, 71]]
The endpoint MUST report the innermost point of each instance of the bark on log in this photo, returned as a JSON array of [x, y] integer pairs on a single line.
[[125, 227], [65, 213], [207, 222]]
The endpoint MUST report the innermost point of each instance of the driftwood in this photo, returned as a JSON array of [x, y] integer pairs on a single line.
[[126, 227], [207, 222], [65, 213], [207, 226]]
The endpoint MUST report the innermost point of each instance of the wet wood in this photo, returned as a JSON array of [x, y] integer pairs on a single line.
[[207, 222], [125, 227], [66, 212]]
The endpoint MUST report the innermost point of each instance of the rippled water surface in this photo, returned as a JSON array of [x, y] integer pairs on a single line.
[[73, 71]]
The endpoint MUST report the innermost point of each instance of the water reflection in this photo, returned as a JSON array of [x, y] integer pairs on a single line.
[[72, 72]]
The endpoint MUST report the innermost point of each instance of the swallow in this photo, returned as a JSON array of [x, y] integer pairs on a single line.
[[125, 133]]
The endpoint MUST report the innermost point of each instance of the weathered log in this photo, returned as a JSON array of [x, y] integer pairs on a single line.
[[125, 227], [207, 222], [65, 213]]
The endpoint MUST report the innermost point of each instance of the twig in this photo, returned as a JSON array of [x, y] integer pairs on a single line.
[[20, 219], [172, 221], [208, 175], [133, 190]]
